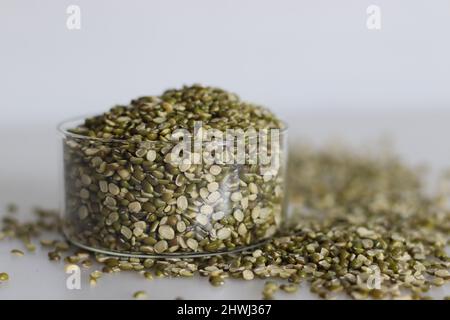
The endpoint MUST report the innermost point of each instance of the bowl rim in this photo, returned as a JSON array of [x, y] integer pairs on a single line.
[[64, 126]]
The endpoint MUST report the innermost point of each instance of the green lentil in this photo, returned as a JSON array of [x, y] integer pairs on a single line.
[[4, 276], [289, 288], [216, 281], [148, 275], [96, 274], [17, 252], [270, 288], [140, 295], [54, 256], [86, 263], [47, 242], [248, 275]]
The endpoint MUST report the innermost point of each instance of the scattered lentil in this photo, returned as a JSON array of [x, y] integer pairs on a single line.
[[247, 275], [17, 252], [216, 281], [336, 212], [140, 295], [4, 276]]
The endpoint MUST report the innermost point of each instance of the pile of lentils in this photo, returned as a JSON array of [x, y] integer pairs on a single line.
[[124, 194], [362, 226]]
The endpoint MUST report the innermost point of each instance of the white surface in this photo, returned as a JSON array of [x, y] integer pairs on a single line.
[[29, 176]]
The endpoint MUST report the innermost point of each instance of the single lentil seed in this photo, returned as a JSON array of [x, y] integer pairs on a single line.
[[140, 295], [248, 275], [4, 276], [166, 232], [17, 252]]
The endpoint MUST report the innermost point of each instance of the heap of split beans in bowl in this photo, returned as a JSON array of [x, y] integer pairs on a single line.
[[363, 227], [125, 193]]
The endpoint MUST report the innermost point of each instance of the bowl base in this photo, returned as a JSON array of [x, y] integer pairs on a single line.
[[164, 255]]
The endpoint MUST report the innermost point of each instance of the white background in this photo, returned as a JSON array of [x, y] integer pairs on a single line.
[[314, 63], [287, 54]]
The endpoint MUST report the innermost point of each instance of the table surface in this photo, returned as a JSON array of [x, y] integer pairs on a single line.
[[29, 176]]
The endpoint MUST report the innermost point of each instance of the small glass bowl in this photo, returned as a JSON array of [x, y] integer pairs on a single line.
[[128, 198]]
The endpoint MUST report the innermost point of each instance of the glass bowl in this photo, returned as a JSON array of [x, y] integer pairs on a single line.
[[171, 199]]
